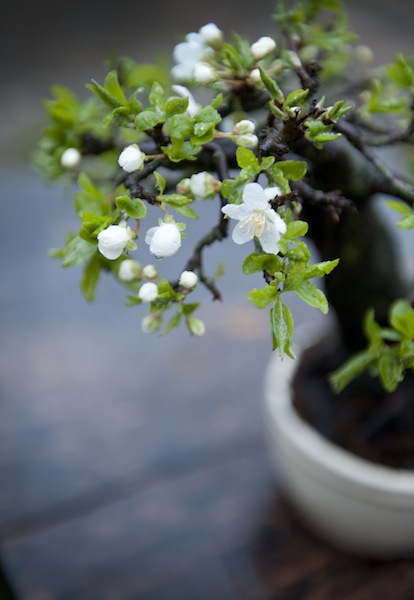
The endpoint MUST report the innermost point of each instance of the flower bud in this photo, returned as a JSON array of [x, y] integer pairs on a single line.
[[184, 187], [188, 280], [203, 185], [248, 140], [148, 291], [113, 241], [150, 272], [70, 158], [203, 73], [264, 46], [131, 158], [244, 126], [196, 326], [163, 240], [151, 323], [212, 35], [256, 77], [129, 270]]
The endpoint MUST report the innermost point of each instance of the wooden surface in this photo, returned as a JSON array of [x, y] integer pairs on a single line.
[[135, 468]]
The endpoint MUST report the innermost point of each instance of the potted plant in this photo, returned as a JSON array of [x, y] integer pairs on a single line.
[[285, 135]]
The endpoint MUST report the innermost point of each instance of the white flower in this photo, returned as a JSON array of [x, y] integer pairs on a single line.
[[211, 34], [187, 54], [257, 218], [203, 73], [150, 272], [203, 185], [264, 46], [70, 158], [163, 240], [129, 270], [196, 326], [131, 158], [148, 291], [113, 241], [188, 279], [182, 91]]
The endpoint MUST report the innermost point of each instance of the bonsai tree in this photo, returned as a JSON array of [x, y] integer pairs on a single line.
[[284, 134]]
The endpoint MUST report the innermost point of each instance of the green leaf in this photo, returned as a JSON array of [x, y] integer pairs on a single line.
[[161, 181], [172, 323], [295, 98], [134, 207], [281, 322], [292, 169], [147, 119], [312, 295], [353, 367], [390, 371], [322, 268], [175, 106], [246, 158], [402, 319], [107, 97], [272, 87], [262, 298], [77, 251], [157, 95], [296, 229], [185, 211], [400, 72], [90, 277], [257, 262], [112, 86]]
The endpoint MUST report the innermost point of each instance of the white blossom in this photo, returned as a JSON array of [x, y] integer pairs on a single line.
[[129, 270], [187, 54], [182, 91], [70, 158], [203, 185], [257, 218], [212, 35], [113, 240], [131, 158], [256, 77], [188, 279], [163, 240], [203, 73], [264, 46], [196, 326], [148, 291], [150, 272]]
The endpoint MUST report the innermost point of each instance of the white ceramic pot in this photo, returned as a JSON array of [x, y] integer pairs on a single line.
[[358, 506]]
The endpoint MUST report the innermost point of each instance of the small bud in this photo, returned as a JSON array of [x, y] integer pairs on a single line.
[[131, 158], [256, 77], [264, 46], [203, 185], [248, 140], [196, 326], [151, 323], [184, 187], [364, 54], [148, 291], [203, 73], [244, 126], [150, 272], [188, 280], [71, 158], [164, 240], [212, 35], [113, 240], [129, 270]]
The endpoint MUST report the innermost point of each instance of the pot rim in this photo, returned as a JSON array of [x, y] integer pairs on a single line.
[[327, 459]]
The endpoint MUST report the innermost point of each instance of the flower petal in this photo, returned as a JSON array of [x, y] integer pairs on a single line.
[[253, 196], [270, 238]]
